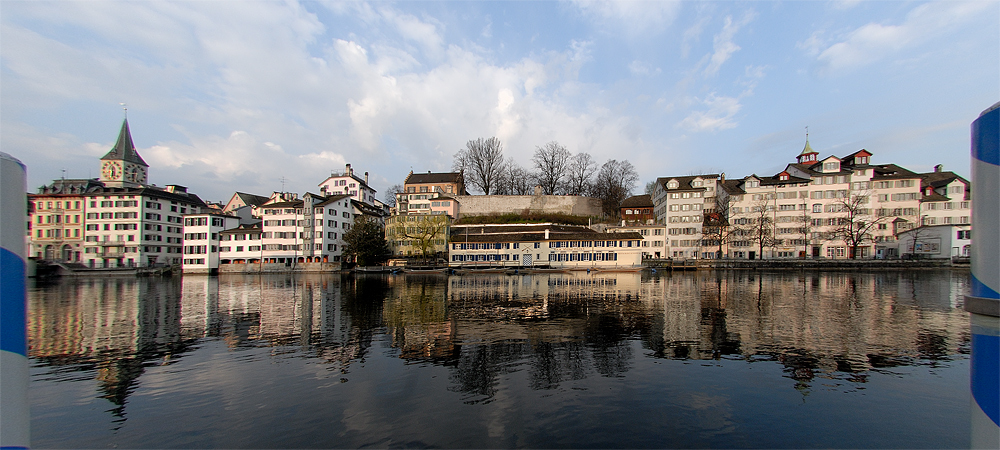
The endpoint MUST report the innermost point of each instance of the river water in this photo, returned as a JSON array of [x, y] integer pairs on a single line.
[[735, 359]]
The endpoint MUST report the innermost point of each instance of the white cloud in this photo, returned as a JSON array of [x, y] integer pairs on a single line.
[[723, 45], [633, 17], [874, 42], [719, 116]]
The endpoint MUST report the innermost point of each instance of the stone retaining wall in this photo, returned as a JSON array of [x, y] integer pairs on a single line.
[[484, 205]]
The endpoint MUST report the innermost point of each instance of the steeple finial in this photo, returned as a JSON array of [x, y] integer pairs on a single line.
[[125, 108]]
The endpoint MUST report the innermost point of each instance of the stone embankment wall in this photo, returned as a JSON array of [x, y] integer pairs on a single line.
[[826, 264], [279, 268], [484, 205]]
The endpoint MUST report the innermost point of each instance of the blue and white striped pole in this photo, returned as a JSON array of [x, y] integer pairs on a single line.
[[14, 411], [983, 303]]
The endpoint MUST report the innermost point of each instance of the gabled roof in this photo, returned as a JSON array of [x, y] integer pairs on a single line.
[[367, 209], [430, 177], [941, 179], [733, 187], [332, 198], [72, 186], [684, 183], [776, 180], [243, 228], [638, 201], [291, 204], [124, 149], [891, 172]]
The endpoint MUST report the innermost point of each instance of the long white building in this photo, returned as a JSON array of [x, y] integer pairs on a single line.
[[546, 245], [116, 220]]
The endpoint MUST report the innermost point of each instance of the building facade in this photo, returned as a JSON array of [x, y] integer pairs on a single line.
[[546, 245], [114, 221], [349, 184], [202, 241]]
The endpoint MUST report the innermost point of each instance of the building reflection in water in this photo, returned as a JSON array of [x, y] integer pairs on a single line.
[[553, 327], [113, 326]]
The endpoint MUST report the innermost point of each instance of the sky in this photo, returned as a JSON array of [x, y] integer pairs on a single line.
[[267, 96]]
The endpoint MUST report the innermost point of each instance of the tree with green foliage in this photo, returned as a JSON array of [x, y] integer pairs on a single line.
[[365, 242]]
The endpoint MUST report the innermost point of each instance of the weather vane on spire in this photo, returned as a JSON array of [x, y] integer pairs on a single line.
[[125, 108], [807, 132]]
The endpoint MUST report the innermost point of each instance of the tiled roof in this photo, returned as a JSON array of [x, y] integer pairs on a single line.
[[331, 199], [638, 201], [251, 199], [529, 237], [733, 187], [429, 177], [892, 171], [684, 183], [291, 204]]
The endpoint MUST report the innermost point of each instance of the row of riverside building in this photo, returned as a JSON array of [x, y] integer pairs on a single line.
[[120, 221]]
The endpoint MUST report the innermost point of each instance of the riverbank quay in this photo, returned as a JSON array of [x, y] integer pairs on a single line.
[[811, 264]]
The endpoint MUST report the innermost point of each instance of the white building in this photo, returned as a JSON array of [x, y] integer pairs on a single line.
[[680, 203], [947, 198], [546, 245], [936, 241], [349, 184], [202, 239], [654, 240], [306, 230]]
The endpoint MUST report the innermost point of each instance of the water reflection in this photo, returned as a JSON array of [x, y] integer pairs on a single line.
[[552, 328]]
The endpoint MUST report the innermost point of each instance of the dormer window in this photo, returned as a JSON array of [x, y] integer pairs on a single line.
[[783, 177], [672, 184], [862, 160], [753, 183], [832, 166], [696, 183]]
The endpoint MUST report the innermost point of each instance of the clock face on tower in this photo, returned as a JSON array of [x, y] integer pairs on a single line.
[[111, 170]]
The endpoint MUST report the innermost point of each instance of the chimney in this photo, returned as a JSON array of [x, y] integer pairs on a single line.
[[938, 168], [348, 171], [546, 234], [366, 177]]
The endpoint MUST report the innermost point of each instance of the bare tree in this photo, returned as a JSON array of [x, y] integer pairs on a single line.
[[481, 162], [759, 226], [426, 233], [805, 227], [514, 180], [613, 185], [390, 194], [551, 163], [651, 188], [857, 223], [716, 229], [579, 174]]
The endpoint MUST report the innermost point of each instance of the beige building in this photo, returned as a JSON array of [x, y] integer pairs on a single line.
[[115, 221], [820, 208]]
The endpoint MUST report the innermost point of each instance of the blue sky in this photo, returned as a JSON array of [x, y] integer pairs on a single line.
[[253, 96]]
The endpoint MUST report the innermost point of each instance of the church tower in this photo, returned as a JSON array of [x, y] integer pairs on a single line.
[[808, 155], [122, 166]]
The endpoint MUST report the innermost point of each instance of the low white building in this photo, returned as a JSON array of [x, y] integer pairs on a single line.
[[936, 241], [654, 240], [241, 245], [546, 245], [202, 236]]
